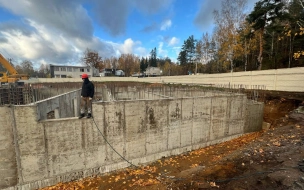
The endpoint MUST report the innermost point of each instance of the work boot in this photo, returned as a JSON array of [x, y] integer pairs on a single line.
[[89, 115], [81, 116]]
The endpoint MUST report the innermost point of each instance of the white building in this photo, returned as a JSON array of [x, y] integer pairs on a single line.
[[112, 72], [63, 71], [119, 73], [153, 71]]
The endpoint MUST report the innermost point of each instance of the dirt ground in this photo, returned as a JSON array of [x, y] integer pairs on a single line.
[[268, 159]]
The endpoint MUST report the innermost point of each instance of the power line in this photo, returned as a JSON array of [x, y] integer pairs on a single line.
[[112, 146]]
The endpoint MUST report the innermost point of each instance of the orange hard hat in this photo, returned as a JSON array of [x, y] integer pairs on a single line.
[[84, 76]]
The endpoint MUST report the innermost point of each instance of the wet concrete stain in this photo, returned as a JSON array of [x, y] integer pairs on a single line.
[[176, 113], [151, 117]]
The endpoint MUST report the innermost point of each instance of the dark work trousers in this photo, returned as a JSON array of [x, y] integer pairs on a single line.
[[85, 103]]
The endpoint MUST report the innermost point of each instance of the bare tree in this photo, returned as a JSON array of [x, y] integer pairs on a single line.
[[92, 59], [227, 21], [111, 62], [44, 71], [129, 63], [27, 68]]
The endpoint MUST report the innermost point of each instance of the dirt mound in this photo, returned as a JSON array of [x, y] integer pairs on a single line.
[[277, 109]]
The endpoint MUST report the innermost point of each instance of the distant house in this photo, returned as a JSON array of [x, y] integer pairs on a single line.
[[119, 73], [111, 72], [153, 71], [106, 72], [64, 71]]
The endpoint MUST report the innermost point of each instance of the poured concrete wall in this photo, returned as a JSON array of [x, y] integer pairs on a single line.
[[65, 105], [111, 93], [8, 163], [60, 150]]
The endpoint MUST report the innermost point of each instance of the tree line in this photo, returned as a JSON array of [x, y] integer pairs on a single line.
[[131, 63], [270, 37]]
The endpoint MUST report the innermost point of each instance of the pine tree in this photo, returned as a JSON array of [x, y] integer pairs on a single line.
[[265, 12], [153, 59]]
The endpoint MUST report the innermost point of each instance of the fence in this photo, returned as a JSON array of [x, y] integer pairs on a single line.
[[291, 79]]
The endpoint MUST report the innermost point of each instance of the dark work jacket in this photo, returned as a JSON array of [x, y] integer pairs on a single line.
[[87, 89]]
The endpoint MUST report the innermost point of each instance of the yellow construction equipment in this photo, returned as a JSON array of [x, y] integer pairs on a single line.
[[11, 76]]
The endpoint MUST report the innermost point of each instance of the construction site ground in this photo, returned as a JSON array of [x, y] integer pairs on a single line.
[[268, 159]]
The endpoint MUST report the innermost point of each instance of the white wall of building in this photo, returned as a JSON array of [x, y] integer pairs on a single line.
[[63, 71]]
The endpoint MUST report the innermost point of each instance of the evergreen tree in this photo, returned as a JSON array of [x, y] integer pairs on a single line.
[[153, 60], [296, 31], [189, 46], [265, 12], [142, 65], [187, 55], [182, 57]]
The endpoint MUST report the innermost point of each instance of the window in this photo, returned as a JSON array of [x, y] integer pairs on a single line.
[[63, 76], [69, 69], [57, 76], [81, 70], [56, 68], [62, 69], [88, 70]]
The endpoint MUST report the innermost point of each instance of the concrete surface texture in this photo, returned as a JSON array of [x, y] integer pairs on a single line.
[[8, 164], [41, 153], [68, 104], [63, 106], [290, 79]]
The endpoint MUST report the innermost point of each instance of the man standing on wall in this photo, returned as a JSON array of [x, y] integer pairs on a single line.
[[87, 94]]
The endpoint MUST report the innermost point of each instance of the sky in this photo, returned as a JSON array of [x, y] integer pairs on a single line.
[[59, 31]]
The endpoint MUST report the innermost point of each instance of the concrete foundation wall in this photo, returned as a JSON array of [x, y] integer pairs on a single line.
[[154, 93], [61, 150], [65, 105], [290, 79], [8, 164]]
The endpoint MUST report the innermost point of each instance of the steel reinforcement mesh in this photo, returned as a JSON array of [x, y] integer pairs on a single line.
[[30, 93]]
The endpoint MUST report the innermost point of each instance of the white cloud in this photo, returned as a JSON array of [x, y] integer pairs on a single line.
[[176, 50], [166, 24], [173, 41], [141, 52], [58, 32], [69, 17], [41, 42], [48, 45], [128, 46], [161, 51]]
